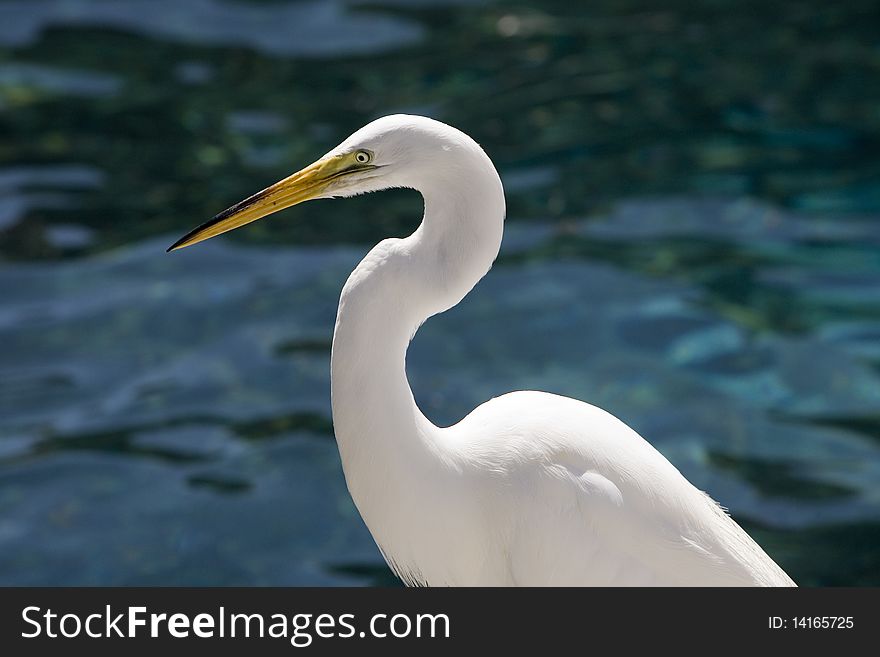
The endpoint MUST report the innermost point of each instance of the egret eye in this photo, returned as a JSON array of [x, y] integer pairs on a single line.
[[362, 157]]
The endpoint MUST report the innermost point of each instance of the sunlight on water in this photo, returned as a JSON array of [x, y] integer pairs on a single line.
[[305, 28]]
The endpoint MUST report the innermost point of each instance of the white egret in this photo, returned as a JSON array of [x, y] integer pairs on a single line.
[[530, 488]]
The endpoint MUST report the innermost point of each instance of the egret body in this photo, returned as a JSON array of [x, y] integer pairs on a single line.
[[530, 488]]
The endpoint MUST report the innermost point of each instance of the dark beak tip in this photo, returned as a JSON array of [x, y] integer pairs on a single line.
[[178, 244]]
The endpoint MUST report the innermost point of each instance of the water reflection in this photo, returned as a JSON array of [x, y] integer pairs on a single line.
[[303, 28]]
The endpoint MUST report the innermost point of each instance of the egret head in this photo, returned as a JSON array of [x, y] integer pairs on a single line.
[[394, 151]]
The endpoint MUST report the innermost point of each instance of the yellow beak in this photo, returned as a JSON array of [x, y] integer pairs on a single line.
[[304, 185]]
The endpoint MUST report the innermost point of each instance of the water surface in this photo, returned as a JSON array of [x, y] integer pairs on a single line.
[[692, 244]]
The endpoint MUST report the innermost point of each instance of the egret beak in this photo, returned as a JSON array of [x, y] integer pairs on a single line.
[[304, 185]]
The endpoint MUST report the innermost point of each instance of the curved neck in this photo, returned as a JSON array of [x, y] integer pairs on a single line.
[[396, 287]]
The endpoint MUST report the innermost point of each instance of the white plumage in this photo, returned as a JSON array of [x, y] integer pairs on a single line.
[[528, 489]]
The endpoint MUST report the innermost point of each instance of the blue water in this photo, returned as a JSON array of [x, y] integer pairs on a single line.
[[692, 244]]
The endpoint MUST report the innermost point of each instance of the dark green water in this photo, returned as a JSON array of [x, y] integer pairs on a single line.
[[693, 244]]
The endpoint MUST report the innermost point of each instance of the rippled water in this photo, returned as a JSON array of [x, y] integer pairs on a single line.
[[692, 244]]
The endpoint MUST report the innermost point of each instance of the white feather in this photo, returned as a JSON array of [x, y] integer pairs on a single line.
[[530, 488]]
